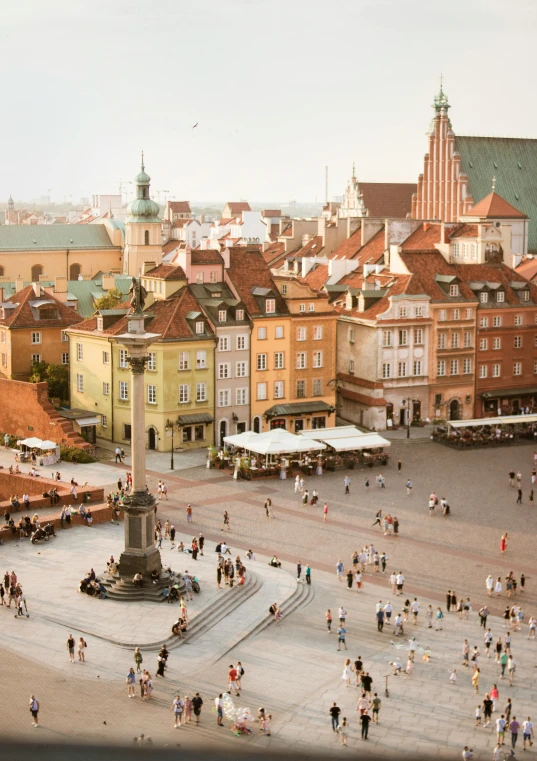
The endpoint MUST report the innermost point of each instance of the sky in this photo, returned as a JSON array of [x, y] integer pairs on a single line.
[[279, 89]]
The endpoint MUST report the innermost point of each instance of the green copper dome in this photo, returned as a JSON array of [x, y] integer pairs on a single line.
[[142, 208]]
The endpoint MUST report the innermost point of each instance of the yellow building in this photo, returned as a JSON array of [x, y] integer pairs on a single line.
[[32, 329], [179, 377]]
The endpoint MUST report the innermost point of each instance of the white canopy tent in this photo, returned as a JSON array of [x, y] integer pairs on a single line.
[[48, 445], [32, 443], [340, 432], [502, 420], [241, 439], [277, 441], [354, 443]]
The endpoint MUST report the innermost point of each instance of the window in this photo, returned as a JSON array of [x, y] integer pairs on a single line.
[[484, 322], [224, 343], [496, 371], [467, 339], [301, 362], [222, 315], [239, 315], [467, 366], [483, 344], [261, 391], [402, 311], [517, 368], [199, 278], [270, 306], [65, 358], [200, 328], [302, 308], [201, 392], [187, 430], [184, 360], [518, 342], [36, 338], [224, 398], [455, 314], [317, 387], [261, 334], [453, 290], [284, 289], [441, 367], [454, 340], [317, 333], [152, 361], [301, 334], [351, 333], [403, 338], [213, 276], [417, 367], [123, 354], [79, 352], [201, 359], [311, 307], [104, 421], [65, 337], [278, 332], [241, 396], [127, 431], [525, 295], [474, 250], [386, 337], [301, 389], [454, 367], [184, 393], [278, 360], [36, 358], [151, 394], [278, 389], [418, 336], [497, 321], [483, 297], [79, 382], [442, 315], [468, 314], [261, 361], [241, 343], [123, 390], [318, 422], [224, 368], [518, 319], [317, 359], [465, 251], [441, 340], [106, 358], [146, 237], [500, 297], [482, 371], [418, 311], [106, 388], [241, 370], [401, 369], [455, 250]]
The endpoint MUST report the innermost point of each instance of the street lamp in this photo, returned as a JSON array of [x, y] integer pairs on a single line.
[[406, 403], [170, 427]]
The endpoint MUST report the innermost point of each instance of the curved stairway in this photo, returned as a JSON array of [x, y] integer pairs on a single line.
[[118, 588]]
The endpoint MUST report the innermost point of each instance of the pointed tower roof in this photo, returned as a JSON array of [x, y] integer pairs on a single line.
[[10, 202], [440, 103], [494, 206], [142, 208]]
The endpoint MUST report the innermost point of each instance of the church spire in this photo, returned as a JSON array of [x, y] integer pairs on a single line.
[[440, 105]]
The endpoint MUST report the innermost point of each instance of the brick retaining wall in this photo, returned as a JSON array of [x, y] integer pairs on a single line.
[[100, 513]]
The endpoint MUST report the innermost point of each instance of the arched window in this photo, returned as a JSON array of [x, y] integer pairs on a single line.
[[37, 270], [146, 236], [74, 271]]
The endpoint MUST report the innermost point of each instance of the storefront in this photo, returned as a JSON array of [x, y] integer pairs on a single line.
[[300, 416]]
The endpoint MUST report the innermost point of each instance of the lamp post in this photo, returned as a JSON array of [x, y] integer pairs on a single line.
[[406, 403], [170, 427]]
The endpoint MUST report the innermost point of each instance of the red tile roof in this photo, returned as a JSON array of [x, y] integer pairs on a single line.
[[288, 231], [171, 245], [527, 268], [271, 213], [312, 248], [479, 273], [26, 316], [388, 199], [494, 206], [167, 272], [179, 207], [423, 239], [362, 398], [465, 231], [207, 256], [274, 232], [349, 248], [424, 268], [237, 207], [274, 252], [317, 276], [248, 270]]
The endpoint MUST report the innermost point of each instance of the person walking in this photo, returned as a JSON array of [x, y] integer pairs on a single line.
[[365, 718], [347, 672], [409, 487], [189, 513], [232, 681], [519, 496], [34, 708], [376, 705], [71, 648], [328, 616], [177, 708], [342, 731], [307, 574], [226, 525], [475, 679], [298, 571], [399, 466], [341, 637], [347, 482], [219, 710], [439, 625], [503, 542], [527, 732], [131, 683], [138, 659], [334, 712], [197, 703], [339, 570], [325, 512], [514, 726], [380, 620], [82, 645]]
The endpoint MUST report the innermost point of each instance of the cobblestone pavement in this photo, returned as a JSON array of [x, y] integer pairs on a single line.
[[294, 668]]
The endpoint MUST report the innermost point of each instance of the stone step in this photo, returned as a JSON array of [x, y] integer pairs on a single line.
[[126, 590]]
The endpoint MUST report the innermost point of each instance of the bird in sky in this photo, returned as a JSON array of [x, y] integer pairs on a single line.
[[195, 125]]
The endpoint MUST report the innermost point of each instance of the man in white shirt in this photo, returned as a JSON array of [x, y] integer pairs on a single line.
[[400, 581], [527, 730], [415, 608], [388, 611], [398, 625], [500, 730], [467, 753], [412, 647], [378, 606], [342, 613]]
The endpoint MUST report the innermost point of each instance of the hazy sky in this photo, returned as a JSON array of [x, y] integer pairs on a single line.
[[280, 88]]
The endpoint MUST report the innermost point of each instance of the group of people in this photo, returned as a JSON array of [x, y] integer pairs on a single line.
[[11, 592], [434, 502], [228, 570], [93, 586], [389, 524]]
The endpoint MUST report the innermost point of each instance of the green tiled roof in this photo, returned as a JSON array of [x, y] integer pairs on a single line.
[[53, 237], [513, 161]]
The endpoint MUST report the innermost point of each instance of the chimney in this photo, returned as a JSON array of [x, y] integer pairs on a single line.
[[19, 284], [148, 266], [226, 257], [37, 289], [60, 284], [108, 282]]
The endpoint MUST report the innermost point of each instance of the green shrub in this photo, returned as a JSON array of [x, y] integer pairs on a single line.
[[12, 440], [74, 454]]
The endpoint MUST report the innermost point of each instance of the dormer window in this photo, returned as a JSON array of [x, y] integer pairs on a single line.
[[311, 307], [284, 289], [239, 316], [483, 297], [222, 315], [199, 327], [500, 297], [270, 306], [302, 307], [474, 250], [402, 312], [100, 323], [455, 250], [453, 290], [525, 295]]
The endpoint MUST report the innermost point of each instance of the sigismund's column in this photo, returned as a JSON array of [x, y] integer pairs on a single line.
[[140, 554]]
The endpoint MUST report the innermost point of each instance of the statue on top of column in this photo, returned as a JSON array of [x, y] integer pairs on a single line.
[[138, 295]]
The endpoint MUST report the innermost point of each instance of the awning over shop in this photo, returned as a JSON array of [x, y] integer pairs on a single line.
[[85, 421], [298, 408], [33, 442], [200, 417], [501, 393], [502, 420]]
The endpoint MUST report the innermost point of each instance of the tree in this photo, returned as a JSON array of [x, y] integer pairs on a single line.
[[57, 377], [110, 299]]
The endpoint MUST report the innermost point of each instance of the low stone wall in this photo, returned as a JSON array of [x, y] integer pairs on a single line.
[[100, 514], [22, 483]]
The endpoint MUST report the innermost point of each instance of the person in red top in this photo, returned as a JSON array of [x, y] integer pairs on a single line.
[[233, 680]]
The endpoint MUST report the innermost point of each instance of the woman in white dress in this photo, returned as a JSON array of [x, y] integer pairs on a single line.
[[498, 587], [347, 672]]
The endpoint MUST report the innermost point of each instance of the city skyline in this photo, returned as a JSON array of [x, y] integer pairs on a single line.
[[275, 98]]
